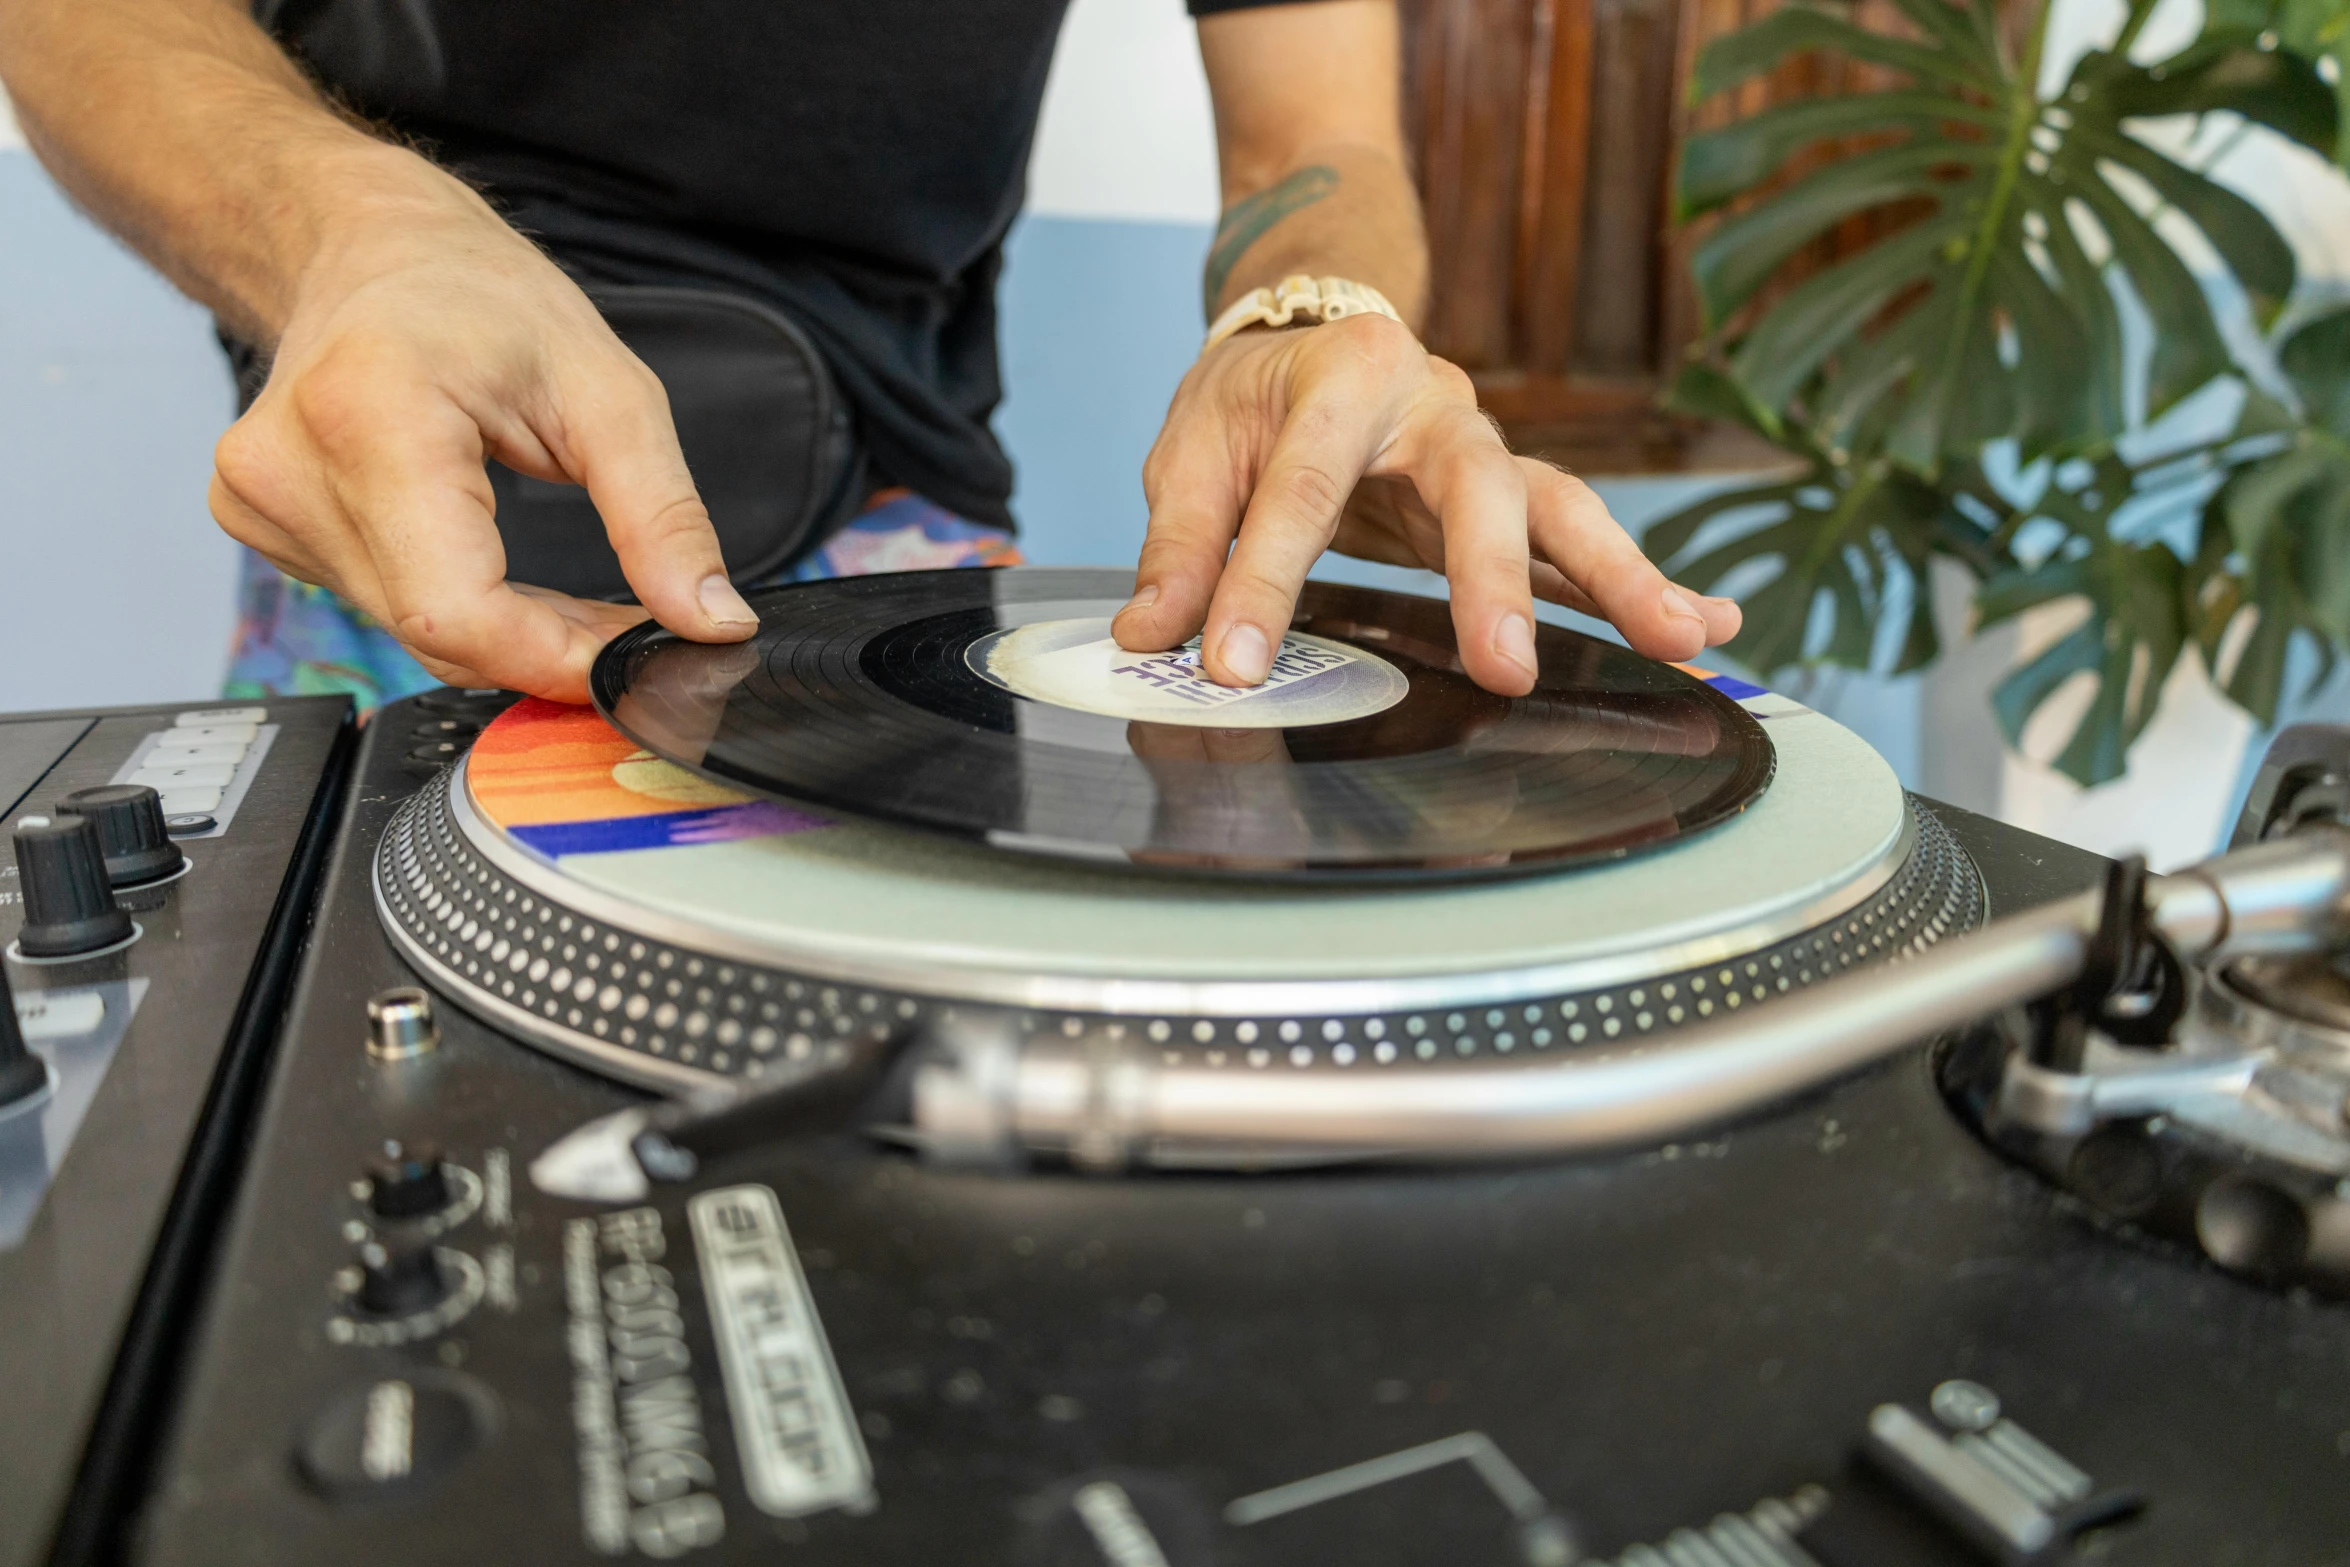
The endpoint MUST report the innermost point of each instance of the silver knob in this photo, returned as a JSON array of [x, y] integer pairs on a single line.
[[400, 1024]]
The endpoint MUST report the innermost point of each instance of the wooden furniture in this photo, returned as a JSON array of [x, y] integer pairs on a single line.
[[1545, 134]]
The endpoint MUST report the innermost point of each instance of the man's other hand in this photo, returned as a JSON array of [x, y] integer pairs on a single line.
[[1351, 436], [423, 339]]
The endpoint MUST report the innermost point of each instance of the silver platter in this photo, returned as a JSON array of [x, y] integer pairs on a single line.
[[729, 961]]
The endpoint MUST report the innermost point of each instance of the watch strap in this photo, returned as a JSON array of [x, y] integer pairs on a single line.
[[1318, 300]]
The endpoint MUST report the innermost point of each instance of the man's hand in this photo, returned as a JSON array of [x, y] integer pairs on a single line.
[[1351, 436], [420, 343], [414, 334]]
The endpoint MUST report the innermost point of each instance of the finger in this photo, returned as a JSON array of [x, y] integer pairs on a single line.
[[1321, 453], [1469, 480], [407, 472], [1576, 534], [623, 447], [1552, 587], [1192, 486]]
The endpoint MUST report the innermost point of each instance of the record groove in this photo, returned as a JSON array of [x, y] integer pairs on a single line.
[[856, 697]]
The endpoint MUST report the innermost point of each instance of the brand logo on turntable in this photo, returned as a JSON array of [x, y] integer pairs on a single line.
[[645, 1477]]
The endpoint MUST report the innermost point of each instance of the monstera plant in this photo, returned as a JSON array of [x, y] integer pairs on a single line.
[[1978, 381]]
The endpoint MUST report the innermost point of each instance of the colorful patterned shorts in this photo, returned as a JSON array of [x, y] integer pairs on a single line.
[[294, 639]]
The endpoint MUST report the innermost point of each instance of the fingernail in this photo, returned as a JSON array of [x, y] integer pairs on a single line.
[[1246, 653], [1144, 598], [1681, 604], [1513, 639], [723, 605]]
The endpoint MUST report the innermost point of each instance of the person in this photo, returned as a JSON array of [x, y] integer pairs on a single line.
[[418, 221]]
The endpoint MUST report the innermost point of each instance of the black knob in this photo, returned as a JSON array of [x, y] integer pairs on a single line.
[[406, 1181], [396, 1281], [130, 829], [22, 1073], [69, 906]]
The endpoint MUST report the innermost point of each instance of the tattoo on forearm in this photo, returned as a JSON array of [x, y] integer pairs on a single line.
[[1245, 222]]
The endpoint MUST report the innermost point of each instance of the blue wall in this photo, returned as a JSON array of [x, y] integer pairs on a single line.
[[114, 584]]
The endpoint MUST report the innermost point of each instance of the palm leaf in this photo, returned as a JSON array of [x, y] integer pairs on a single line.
[[1984, 172]]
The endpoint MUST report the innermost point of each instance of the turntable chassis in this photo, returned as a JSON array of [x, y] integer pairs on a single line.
[[1653, 1338]]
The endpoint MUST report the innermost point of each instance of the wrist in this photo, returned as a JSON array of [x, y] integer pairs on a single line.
[[377, 207]]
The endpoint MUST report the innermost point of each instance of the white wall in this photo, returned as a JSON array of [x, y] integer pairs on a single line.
[[10, 136], [1126, 132]]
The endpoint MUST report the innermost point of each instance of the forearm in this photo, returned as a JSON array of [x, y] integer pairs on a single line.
[[182, 127], [1338, 211], [1309, 145]]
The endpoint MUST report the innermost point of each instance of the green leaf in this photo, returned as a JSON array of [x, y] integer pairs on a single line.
[[1831, 308], [1665, 540], [1718, 165], [1797, 29], [2188, 349], [1979, 314], [1967, 31], [1739, 256], [2239, 231], [2222, 70], [2104, 410], [1704, 392], [2316, 359]]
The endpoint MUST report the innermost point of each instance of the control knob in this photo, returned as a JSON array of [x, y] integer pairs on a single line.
[[69, 906], [22, 1074], [398, 1281], [129, 818], [407, 1181]]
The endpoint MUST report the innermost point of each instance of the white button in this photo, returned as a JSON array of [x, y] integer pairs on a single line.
[[59, 1017], [211, 775], [190, 802], [210, 734], [224, 715], [192, 755]]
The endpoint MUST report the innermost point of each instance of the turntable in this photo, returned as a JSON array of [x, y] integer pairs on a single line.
[[926, 1085]]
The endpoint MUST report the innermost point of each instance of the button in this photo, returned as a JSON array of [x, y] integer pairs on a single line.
[[69, 906], [399, 1281], [400, 1024], [186, 824], [190, 803], [406, 1181], [23, 1075], [211, 734], [436, 753], [44, 1016], [445, 729], [394, 1434], [473, 702], [209, 775], [130, 825], [206, 718], [193, 755]]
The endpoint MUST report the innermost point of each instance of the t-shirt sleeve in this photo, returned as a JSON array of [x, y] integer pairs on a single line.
[[1211, 7]]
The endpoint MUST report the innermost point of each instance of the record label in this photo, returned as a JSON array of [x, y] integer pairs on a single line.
[[988, 704], [1077, 664]]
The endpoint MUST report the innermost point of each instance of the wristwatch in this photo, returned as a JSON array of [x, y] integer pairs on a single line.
[[1317, 299]]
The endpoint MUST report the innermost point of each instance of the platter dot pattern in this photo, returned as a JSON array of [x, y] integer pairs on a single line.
[[654, 1012]]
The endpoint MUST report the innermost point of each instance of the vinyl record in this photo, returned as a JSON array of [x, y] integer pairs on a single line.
[[992, 705]]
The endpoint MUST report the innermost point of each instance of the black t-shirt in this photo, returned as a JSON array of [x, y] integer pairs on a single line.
[[855, 162]]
